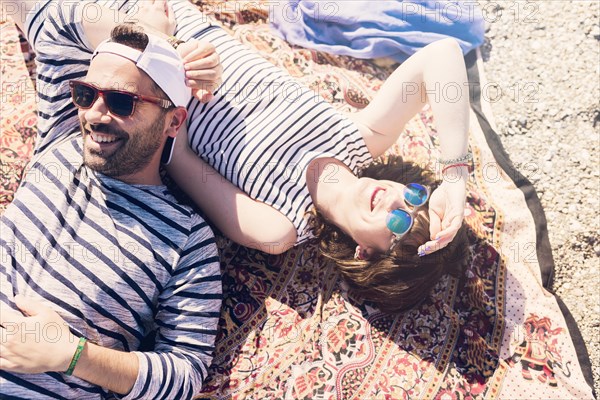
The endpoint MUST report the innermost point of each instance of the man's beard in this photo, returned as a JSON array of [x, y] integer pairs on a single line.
[[132, 156]]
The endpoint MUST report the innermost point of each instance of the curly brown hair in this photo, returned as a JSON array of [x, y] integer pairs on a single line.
[[400, 280]]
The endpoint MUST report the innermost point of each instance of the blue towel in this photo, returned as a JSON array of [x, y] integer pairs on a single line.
[[376, 28]]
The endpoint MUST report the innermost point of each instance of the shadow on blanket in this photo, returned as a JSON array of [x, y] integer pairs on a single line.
[[290, 328]]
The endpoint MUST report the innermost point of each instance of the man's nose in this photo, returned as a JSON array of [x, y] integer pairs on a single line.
[[98, 112]]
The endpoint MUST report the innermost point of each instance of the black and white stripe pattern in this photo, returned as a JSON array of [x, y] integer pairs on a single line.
[[260, 131], [263, 128], [118, 262]]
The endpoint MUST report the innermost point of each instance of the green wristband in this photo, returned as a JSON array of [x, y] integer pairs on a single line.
[[76, 356]]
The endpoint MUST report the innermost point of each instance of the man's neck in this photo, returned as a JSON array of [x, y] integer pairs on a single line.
[[142, 178]]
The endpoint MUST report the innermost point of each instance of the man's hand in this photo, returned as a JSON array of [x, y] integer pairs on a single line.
[[446, 214], [36, 342], [203, 68]]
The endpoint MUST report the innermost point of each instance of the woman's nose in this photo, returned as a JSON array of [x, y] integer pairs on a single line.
[[395, 200]]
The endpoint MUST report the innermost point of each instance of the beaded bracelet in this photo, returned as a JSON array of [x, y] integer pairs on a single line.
[[76, 356], [466, 158]]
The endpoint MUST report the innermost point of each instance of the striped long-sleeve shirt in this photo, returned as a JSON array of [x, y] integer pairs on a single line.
[[118, 262]]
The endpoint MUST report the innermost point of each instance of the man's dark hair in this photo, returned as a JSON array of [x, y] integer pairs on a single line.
[[133, 35]]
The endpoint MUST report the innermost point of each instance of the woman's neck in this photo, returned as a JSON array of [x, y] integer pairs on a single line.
[[327, 180]]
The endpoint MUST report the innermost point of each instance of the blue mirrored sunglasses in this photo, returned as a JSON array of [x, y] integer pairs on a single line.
[[399, 221]]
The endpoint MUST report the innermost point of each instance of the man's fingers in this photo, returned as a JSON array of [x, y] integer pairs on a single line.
[[8, 315], [170, 13], [206, 86], [202, 95], [205, 97], [30, 306], [6, 365], [207, 75]]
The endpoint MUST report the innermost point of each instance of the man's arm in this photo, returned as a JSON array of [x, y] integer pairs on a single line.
[[58, 32], [16, 10], [97, 22], [22, 353], [186, 320]]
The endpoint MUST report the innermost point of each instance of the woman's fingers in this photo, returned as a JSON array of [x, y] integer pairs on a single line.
[[197, 49], [440, 238], [435, 223]]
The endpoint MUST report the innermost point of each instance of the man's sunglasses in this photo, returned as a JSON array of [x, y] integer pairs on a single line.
[[119, 102], [399, 221]]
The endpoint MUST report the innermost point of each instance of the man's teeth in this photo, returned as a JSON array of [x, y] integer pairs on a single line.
[[102, 138]]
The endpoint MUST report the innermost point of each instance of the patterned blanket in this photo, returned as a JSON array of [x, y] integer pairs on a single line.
[[290, 328]]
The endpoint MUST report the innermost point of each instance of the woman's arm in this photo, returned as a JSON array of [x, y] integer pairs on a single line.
[[246, 221], [435, 75]]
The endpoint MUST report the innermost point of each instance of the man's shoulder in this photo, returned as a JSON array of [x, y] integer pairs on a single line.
[[69, 146], [61, 155]]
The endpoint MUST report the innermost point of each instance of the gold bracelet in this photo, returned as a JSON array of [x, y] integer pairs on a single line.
[[175, 42]]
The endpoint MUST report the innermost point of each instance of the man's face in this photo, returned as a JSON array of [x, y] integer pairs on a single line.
[[120, 146]]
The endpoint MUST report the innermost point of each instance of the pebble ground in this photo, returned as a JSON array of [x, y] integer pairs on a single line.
[[545, 58]]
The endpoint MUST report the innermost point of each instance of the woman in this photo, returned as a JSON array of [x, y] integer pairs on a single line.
[[283, 147], [292, 167]]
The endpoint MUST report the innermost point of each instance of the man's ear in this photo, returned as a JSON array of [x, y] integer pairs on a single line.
[[177, 118]]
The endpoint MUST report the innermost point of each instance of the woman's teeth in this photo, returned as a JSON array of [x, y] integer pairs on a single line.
[[377, 198]]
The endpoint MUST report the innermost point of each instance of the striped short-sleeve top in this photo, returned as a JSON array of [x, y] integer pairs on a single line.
[[263, 128]]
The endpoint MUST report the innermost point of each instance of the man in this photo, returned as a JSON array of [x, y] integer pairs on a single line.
[[96, 254]]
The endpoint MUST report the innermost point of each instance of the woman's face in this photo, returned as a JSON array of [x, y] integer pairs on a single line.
[[372, 200]]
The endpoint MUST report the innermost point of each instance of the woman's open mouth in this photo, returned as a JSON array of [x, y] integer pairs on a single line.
[[376, 196]]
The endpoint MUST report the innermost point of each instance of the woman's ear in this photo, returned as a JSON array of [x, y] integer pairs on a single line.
[[362, 253], [178, 117]]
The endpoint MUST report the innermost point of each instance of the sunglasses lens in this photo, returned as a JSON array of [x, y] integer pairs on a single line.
[[119, 103], [415, 194], [83, 96], [398, 221]]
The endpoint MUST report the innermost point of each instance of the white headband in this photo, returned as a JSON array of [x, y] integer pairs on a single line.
[[160, 61]]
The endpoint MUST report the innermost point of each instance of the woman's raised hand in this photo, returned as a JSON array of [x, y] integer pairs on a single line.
[[201, 61], [203, 68], [446, 214]]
